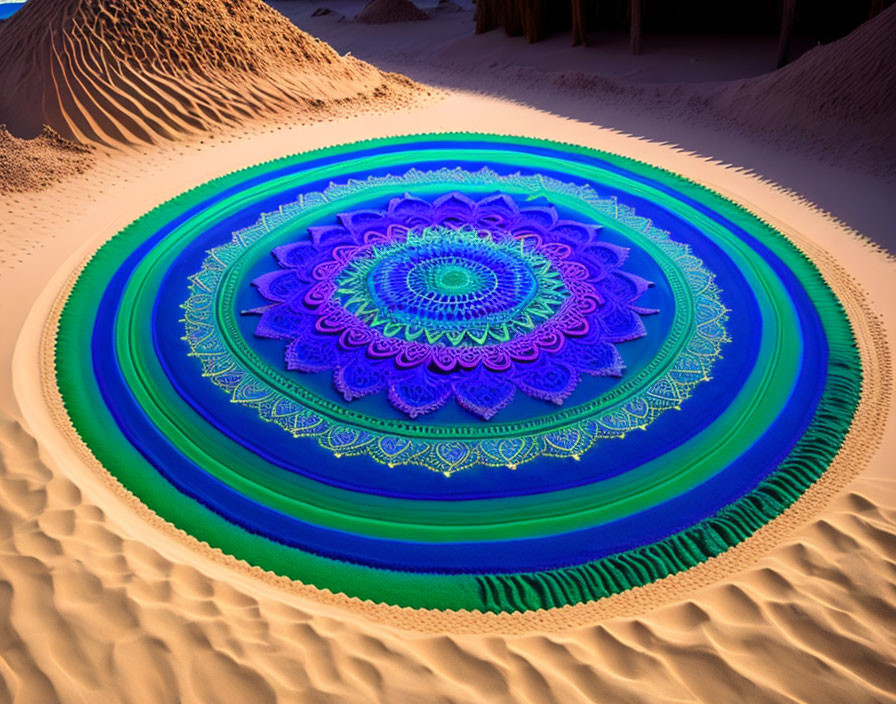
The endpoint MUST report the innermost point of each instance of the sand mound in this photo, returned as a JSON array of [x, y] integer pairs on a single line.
[[446, 7], [845, 90], [387, 11], [100, 71], [327, 12], [31, 164]]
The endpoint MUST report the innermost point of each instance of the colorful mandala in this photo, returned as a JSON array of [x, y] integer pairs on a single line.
[[455, 298], [459, 371]]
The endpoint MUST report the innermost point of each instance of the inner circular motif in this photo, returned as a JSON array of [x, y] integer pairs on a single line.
[[452, 281], [471, 300]]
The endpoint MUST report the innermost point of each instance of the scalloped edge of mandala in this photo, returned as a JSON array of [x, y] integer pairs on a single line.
[[424, 453], [862, 441]]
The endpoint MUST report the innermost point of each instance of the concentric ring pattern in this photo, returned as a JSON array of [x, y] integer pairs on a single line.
[[459, 371]]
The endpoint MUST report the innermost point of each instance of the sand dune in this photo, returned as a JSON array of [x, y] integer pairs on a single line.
[[96, 613], [386, 11], [102, 71], [100, 605], [844, 91], [28, 164]]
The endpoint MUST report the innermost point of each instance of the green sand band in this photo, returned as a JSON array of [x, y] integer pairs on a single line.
[[226, 463], [584, 515], [807, 461]]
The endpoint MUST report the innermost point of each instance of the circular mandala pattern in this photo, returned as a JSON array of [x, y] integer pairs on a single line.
[[459, 371], [456, 298]]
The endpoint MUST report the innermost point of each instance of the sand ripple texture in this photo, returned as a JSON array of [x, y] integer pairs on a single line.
[[96, 607], [32, 164], [96, 615], [100, 72]]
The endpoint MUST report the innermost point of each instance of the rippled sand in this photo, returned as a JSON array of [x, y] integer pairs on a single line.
[[103, 606]]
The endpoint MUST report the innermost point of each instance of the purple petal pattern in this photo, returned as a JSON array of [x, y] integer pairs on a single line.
[[470, 299]]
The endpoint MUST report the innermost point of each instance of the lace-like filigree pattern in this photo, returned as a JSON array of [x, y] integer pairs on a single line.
[[632, 405], [457, 298]]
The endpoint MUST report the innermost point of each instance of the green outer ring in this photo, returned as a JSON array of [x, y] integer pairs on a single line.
[[735, 523], [422, 520], [592, 505], [566, 519]]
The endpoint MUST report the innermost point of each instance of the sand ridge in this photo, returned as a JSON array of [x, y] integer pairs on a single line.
[[844, 92], [97, 609], [97, 72], [31, 164]]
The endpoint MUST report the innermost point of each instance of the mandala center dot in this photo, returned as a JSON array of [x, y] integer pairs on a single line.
[[441, 280], [453, 280], [449, 281]]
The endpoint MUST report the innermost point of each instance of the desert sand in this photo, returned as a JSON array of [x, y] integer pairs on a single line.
[[29, 164], [104, 604], [95, 72], [387, 11]]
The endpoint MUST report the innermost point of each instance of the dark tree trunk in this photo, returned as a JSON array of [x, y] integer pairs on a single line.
[[533, 19], [636, 27], [579, 23], [513, 26], [788, 15], [488, 15]]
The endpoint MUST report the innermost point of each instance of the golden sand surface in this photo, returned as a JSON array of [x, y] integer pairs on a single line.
[[30, 164], [114, 73], [101, 601], [106, 604]]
